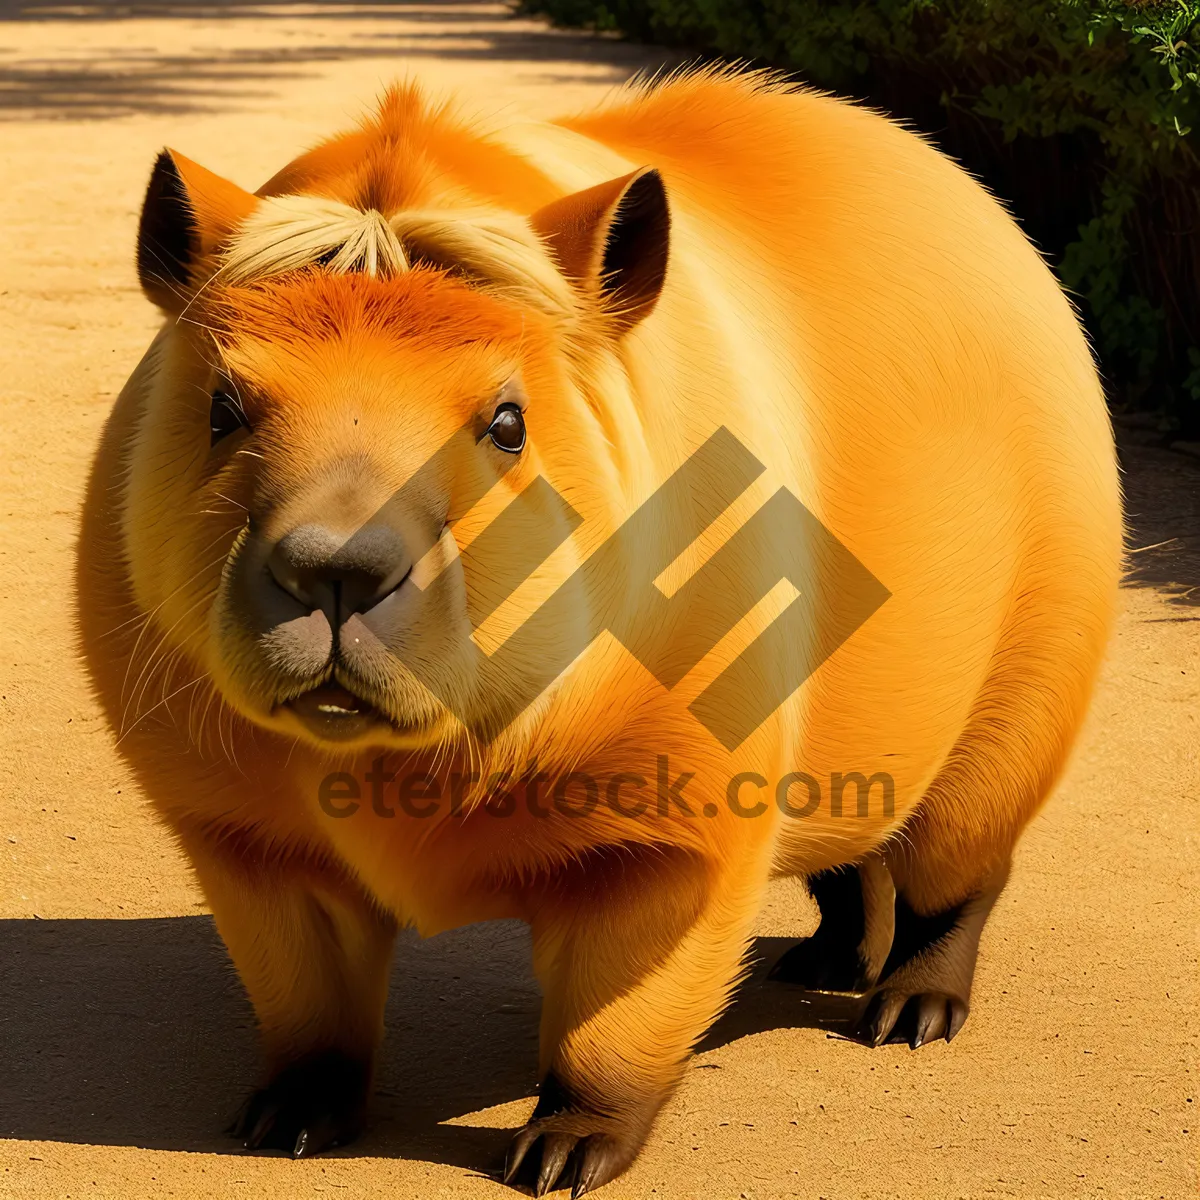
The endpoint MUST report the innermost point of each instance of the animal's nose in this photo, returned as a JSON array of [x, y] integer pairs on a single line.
[[336, 574]]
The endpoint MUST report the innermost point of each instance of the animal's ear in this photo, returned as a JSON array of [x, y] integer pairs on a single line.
[[188, 212], [613, 239]]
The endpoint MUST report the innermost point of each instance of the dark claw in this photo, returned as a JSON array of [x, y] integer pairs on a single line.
[[518, 1150], [958, 1015], [600, 1160], [556, 1149], [931, 1019], [587, 1175], [320, 1133], [880, 1018]]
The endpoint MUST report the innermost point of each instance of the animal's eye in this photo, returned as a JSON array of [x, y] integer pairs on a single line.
[[507, 429], [225, 416]]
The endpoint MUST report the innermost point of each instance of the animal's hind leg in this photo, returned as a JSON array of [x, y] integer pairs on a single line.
[[848, 951], [952, 860], [949, 866], [925, 991]]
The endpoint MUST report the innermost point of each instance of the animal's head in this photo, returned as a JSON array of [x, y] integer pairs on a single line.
[[345, 401]]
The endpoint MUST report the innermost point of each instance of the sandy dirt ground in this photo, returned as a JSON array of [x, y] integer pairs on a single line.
[[125, 1043]]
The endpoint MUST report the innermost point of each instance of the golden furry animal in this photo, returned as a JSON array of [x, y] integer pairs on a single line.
[[432, 572]]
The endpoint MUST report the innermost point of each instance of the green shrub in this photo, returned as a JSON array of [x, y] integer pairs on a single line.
[[1078, 113]]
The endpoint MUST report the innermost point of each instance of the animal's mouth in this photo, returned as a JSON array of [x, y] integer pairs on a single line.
[[334, 713]]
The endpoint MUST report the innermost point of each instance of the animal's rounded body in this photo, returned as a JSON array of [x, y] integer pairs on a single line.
[[313, 608]]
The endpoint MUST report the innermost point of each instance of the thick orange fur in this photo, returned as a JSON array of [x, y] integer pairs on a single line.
[[865, 319]]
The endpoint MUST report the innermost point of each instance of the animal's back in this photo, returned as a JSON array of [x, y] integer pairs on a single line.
[[948, 426]]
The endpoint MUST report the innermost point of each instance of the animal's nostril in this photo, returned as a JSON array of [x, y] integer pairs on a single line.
[[298, 555], [288, 577], [337, 574]]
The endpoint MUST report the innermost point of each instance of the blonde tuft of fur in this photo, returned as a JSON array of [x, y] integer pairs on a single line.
[[497, 250], [289, 233], [493, 249]]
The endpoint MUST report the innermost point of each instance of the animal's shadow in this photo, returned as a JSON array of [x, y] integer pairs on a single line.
[[137, 1033]]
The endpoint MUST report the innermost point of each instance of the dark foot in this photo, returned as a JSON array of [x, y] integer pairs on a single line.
[[897, 1015], [926, 988], [849, 947], [825, 962], [308, 1107], [564, 1145]]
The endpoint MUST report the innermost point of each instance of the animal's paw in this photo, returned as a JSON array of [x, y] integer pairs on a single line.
[[564, 1145], [928, 995], [309, 1106], [896, 1014], [822, 964]]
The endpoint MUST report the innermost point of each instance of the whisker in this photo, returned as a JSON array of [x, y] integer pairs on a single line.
[[192, 683], [153, 659]]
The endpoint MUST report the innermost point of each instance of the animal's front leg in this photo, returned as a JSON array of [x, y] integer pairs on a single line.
[[312, 953], [637, 952]]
